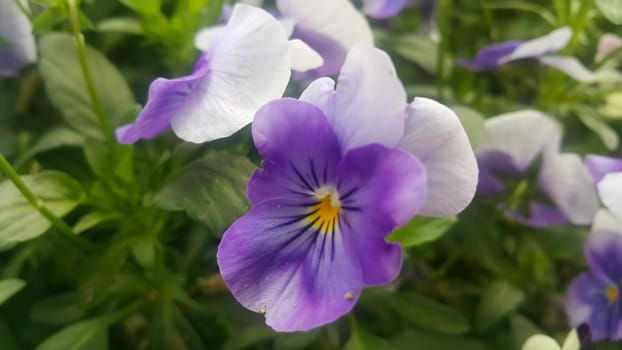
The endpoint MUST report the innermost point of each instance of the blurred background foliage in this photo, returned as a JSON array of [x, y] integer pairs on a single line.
[[140, 270]]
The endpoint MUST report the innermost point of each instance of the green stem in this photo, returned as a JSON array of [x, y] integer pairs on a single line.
[[32, 198], [88, 79]]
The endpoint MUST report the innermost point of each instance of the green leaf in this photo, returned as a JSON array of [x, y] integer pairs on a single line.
[[418, 339], [143, 249], [9, 287], [421, 230], [473, 123], [92, 219], [362, 340], [127, 25], [85, 335], [60, 136], [144, 7], [593, 120], [67, 90], [297, 340], [48, 18], [419, 50], [248, 336], [19, 220], [522, 328], [498, 301], [58, 309], [211, 190], [428, 314], [613, 106], [611, 9]]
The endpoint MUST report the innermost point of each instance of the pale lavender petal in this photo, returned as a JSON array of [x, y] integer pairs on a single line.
[[275, 262], [383, 8], [434, 134], [603, 252], [491, 164], [320, 93], [571, 67], [167, 98], [299, 150], [369, 102], [331, 27], [600, 166], [17, 44], [565, 180], [303, 57], [610, 191], [540, 215], [607, 44], [544, 45], [380, 189], [523, 135], [490, 57], [605, 221], [249, 65]]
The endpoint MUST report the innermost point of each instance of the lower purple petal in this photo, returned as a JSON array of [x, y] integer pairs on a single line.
[[540, 215], [490, 57], [599, 166], [603, 252]]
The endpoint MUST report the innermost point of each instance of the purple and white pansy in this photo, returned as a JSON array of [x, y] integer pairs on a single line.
[[538, 186], [246, 64], [17, 44], [543, 49], [342, 167]]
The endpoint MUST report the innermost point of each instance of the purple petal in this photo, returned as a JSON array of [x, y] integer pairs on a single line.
[[380, 189], [490, 57], [600, 166], [381, 9], [17, 44], [330, 27], [283, 267], [434, 134], [167, 98], [587, 303], [540, 215], [490, 164], [603, 252], [299, 148], [565, 180]]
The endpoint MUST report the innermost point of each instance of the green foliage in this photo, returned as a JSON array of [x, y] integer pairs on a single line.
[[9, 287]]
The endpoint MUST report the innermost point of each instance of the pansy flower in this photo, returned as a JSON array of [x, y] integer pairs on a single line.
[[536, 185], [342, 167], [381, 9], [247, 63], [17, 44], [330, 27], [607, 175], [542, 49]]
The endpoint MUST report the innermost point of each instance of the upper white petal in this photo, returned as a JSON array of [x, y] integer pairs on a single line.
[[610, 191], [249, 65], [435, 135], [571, 66], [522, 135], [567, 182], [550, 43], [303, 57], [206, 36]]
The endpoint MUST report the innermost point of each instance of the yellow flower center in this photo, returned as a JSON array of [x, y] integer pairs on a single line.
[[325, 214], [612, 293]]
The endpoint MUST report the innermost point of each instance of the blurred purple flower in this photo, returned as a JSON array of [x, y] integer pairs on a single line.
[[381, 9], [607, 174], [594, 296], [246, 64], [542, 49], [330, 27], [334, 185], [519, 161], [607, 44], [17, 44]]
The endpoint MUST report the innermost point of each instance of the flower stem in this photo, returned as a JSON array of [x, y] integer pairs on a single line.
[[32, 198], [98, 108]]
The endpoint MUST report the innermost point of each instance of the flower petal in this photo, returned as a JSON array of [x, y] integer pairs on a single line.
[[380, 189], [320, 93], [544, 45], [566, 181], [298, 277], [249, 65], [587, 303], [492, 163], [434, 134], [540, 215], [206, 36], [540, 342], [167, 98], [17, 45], [600, 166], [369, 102], [610, 191], [299, 149], [605, 221], [607, 44], [571, 67], [331, 27], [383, 8], [303, 57], [603, 252], [522, 135], [490, 57]]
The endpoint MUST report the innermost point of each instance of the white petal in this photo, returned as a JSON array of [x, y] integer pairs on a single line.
[[547, 44], [435, 135], [289, 25], [17, 44], [522, 135], [571, 66], [572, 341], [369, 102], [540, 342], [303, 57], [321, 93], [205, 37], [610, 191], [249, 65], [605, 221], [607, 44], [567, 182]]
